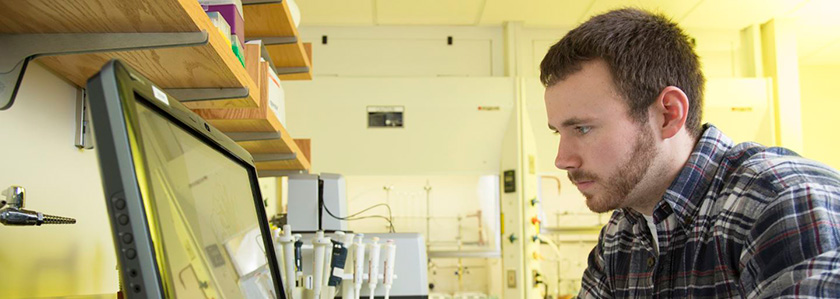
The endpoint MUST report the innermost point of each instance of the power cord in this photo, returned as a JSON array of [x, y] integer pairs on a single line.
[[390, 217]]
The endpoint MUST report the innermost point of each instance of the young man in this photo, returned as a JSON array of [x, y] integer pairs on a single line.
[[695, 215]]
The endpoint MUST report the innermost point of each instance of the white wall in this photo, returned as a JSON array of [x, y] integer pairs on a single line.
[[820, 105], [38, 153], [445, 132], [395, 51], [719, 50]]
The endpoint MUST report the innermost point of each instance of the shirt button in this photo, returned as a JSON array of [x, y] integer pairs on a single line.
[[650, 262]]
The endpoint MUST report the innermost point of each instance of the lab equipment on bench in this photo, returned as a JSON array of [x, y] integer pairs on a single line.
[[339, 267], [183, 199], [313, 201]]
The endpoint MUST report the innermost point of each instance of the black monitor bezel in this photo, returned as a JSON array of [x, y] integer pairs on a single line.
[[112, 94]]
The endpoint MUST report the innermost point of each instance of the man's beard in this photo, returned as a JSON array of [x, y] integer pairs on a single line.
[[624, 179]]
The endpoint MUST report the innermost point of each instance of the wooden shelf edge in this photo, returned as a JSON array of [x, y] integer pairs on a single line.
[[274, 20], [210, 65], [217, 41], [257, 16], [268, 124]]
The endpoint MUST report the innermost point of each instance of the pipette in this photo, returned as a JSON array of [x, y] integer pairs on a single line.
[[390, 259], [359, 264], [373, 266], [320, 243], [287, 242]]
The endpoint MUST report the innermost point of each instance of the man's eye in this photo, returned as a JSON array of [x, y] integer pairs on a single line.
[[583, 129], [555, 132]]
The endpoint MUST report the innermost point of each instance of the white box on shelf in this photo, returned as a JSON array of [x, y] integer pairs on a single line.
[[276, 96]]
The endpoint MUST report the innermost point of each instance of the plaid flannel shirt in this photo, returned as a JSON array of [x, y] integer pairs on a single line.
[[740, 221]]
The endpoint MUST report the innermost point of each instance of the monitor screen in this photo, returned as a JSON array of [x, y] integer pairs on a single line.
[[183, 199], [205, 212]]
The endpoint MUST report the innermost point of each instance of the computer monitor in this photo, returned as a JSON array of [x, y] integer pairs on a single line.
[[184, 202]]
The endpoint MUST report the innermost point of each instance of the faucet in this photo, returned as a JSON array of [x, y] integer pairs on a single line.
[[13, 213]]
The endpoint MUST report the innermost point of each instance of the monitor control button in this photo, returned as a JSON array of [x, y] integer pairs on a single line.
[[127, 238], [119, 204], [122, 219], [130, 253]]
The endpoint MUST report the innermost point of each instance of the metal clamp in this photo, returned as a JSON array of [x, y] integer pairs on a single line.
[[19, 49]]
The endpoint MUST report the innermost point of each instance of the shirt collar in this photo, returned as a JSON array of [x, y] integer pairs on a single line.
[[685, 195]]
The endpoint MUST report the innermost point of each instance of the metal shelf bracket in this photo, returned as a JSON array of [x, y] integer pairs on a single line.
[[277, 40], [84, 135], [19, 49], [273, 157], [291, 70], [207, 94], [253, 136]]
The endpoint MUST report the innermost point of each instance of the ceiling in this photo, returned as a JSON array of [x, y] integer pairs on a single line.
[[817, 21]]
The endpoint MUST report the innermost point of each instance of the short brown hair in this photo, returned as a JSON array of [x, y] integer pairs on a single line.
[[645, 53]]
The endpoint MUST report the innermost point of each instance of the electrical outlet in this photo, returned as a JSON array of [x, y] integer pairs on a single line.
[[511, 279]]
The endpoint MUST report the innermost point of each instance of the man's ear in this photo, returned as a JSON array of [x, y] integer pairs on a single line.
[[672, 108]]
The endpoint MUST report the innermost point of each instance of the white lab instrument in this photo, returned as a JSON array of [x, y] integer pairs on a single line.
[[359, 264], [306, 214], [373, 266], [320, 243], [390, 259], [287, 243], [315, 248], [410, 271]]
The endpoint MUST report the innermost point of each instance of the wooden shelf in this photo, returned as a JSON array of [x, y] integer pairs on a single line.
[[260, 119], [266, 21], [211, 65], [284, 145], [274, 20]]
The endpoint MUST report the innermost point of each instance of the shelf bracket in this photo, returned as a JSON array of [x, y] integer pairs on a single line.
[[207, 94], [267, 58], [20, 49], [276, 173], [253, 136], [84, 136], [291, 70], [273, 157], [277, 40]]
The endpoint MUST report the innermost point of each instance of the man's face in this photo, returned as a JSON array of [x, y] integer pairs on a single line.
[[606, 153]]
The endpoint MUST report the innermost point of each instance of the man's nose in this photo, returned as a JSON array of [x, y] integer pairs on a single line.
[[566, 158]]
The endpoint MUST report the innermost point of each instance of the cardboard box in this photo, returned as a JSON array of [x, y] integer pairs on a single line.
[[276, 96]]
